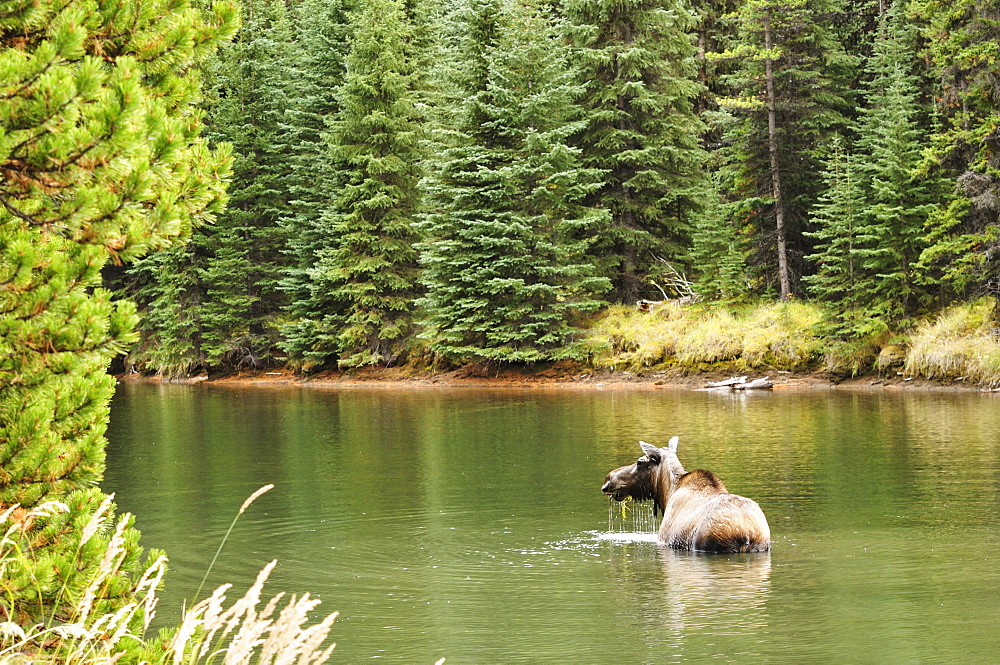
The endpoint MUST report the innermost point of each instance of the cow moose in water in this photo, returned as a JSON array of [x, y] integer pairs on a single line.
[[698, 512]]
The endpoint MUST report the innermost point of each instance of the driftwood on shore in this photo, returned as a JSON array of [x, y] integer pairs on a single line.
[[733, 381], [741, 383]]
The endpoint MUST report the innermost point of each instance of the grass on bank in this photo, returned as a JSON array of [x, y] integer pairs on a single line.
[[962, 341], [691, 337]]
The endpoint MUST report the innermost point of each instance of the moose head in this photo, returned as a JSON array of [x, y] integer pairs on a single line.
[[653, 476]]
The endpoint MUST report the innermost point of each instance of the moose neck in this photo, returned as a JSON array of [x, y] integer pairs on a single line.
[[670, 472]]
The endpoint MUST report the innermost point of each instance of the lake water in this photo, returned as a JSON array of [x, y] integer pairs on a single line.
[[469, 524]]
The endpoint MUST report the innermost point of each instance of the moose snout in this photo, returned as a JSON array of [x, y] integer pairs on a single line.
[[611, 487]]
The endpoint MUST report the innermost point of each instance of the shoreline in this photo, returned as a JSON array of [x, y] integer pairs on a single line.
[[556, 377]]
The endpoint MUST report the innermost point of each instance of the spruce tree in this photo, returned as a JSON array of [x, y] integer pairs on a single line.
[[167, 288], [962, 47], [102, 158], [717, 254], [242, 301], [787, 97], [507, 269], [839, 218], [637, 61], [317, 64], [363, 283], [218, 305], [900, 199]]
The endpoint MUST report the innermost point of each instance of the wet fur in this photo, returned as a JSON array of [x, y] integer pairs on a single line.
[[698, 512]]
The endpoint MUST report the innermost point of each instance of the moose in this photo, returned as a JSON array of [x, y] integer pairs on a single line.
[[698, 512]]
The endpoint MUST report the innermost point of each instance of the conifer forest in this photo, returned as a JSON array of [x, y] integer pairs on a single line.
[[207, 186], [472, 180]]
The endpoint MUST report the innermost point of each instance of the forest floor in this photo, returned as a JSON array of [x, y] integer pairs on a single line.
[[563, 375]]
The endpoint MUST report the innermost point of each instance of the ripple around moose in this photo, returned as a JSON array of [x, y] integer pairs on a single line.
[[699, 514]]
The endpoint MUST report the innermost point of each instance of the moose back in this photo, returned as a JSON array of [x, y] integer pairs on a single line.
[[698, 512]]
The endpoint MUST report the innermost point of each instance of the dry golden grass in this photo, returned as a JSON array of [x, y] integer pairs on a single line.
[[962, 342], [237, 635], [776, 335]]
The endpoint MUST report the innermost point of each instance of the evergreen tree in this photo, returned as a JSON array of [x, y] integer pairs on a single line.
[[839, 217], [506, 266], [637, 60], [217, 306], [900, 197], [717, 254], [240, 279], [318, 56], [101, 154], [363, 283], [168, 289], [962, 46], [788, 96]]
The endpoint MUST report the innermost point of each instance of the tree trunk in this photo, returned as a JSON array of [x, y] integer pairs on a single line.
[[772, 147]]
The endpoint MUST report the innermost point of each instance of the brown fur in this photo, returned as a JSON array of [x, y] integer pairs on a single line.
[[698, 512], [702, 480]]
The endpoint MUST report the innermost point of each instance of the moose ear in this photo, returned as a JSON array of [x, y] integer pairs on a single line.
[[651, 451], [672, 446]]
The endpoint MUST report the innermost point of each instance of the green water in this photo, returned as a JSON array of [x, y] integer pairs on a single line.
[[469, 524]]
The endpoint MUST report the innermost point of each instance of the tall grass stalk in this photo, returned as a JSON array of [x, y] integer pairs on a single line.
[[246, 504], [82, 639]]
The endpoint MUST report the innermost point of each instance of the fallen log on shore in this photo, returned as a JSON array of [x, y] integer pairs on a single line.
[[756, 384], [741, 383], [728, 382]]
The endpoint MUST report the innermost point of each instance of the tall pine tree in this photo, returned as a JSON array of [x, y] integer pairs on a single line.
[[717, 254], [214, 302], [900, 199], [788, 96], [839, 218], [318, 66], [363, 283], [962, 46], [637, 61], [101, 155], [506, 265]]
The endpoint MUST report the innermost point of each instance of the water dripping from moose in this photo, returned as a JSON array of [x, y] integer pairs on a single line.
[[699, 513]]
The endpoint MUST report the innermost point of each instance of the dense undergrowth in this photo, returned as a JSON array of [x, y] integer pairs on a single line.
[[962, 341]]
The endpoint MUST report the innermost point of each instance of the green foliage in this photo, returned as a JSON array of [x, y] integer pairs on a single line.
[[899, 203], [218, 304], [717, 254], [101, 155], [840, 219], [637, 62], [317, 60], [962, 47], [506, 263], [903, 222], [873, 217], [244, 262], [363, 282], [168, 288], [787, 52]]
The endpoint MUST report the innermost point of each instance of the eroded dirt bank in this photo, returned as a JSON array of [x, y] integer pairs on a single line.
[[561, 375]]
